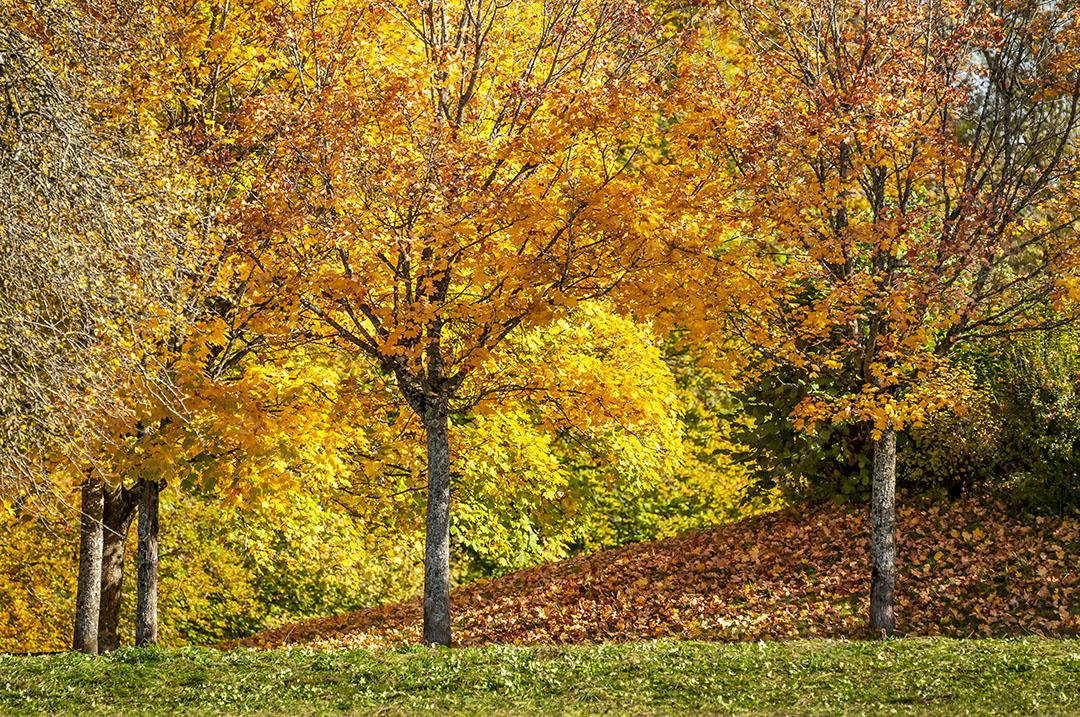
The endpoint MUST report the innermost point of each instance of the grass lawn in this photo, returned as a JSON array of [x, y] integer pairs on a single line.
[[912, 676]]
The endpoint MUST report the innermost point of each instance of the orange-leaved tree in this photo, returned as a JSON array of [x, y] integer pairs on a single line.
[[907, 177], [439, 175]]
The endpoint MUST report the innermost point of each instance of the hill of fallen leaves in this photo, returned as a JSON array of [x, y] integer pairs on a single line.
[[965, 569]]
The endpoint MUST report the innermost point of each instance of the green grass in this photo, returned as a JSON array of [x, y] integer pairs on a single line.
[[931, 676]]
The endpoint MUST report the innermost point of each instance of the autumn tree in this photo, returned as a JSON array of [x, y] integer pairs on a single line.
[[442, 175], [296, 482], [93, 241], [117, 175], [189, 68], [906, 175]]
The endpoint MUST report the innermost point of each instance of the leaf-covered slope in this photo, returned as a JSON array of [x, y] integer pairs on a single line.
[[966, 569]]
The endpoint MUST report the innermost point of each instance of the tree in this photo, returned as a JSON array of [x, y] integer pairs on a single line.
[[88, 597], [907, 175], [166, 79], [438, 177], [93, 245]]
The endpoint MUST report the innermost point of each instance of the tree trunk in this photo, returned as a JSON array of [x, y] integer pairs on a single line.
[[147, 564], [883, 535], [88, 594], [118, 512], [437, 545]]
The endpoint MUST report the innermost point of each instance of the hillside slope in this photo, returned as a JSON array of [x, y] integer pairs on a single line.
[[966, 569]]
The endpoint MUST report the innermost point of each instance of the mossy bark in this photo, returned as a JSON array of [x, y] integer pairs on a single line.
[[146, 607]]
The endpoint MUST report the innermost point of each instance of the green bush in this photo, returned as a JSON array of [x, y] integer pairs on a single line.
[[1035, 384], [1019, 436], [831, 463]]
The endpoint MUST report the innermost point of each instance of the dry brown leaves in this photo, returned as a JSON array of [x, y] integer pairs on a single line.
[[965, 569]]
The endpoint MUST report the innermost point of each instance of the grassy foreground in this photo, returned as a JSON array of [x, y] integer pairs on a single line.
[[915, 676]]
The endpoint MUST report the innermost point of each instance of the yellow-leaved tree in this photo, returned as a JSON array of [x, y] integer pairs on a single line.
[[438, 176]]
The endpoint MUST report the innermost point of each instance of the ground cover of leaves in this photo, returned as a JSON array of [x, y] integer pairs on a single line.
[[966, 569], [924, 676]]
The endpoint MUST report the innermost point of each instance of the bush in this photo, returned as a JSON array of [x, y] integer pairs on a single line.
[[831, 463], [1019, 436], [1035, 384]]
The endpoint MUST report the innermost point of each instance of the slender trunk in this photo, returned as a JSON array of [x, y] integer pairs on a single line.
[[437, 545], [88, 595], [147, 563], [118, 512], [883, 535]]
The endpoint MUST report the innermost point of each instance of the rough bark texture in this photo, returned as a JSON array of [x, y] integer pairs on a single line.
[[883, 535], [147, 563], [437, 545], [88, 595], [119, 509]]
